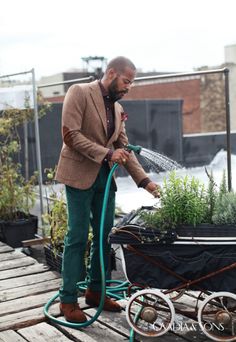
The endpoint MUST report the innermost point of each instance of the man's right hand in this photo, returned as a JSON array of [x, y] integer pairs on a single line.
[[120, 156]]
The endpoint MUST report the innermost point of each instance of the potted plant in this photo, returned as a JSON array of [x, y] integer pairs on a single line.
[[192, 210], [16, 193], [55, 221]]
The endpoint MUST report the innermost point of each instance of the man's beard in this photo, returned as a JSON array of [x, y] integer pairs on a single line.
[[114, 93]]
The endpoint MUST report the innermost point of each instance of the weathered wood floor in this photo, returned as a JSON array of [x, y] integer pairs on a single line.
[[26, 285]]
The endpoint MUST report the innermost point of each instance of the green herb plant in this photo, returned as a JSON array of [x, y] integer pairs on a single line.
[[182, 202], [211, 197], [16, 193], [185, 201], [225, 208], [56, 217]]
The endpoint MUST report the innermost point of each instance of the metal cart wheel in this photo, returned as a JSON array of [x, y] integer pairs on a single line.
[[150, 313], [217, 316]]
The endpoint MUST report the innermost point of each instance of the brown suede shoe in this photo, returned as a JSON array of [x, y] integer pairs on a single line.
[[72, 313], [92, 298]]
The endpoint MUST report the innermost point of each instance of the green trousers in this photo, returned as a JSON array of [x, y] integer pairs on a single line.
[[84, 209]]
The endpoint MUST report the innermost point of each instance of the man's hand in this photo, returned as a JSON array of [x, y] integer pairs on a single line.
[[154, 189], [120, 156]]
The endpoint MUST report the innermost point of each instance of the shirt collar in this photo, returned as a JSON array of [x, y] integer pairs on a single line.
[[105, 92]]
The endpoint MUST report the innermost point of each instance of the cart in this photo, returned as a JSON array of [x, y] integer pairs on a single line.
[[161, 266]]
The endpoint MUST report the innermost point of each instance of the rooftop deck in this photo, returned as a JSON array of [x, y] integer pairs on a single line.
[[26, 285]]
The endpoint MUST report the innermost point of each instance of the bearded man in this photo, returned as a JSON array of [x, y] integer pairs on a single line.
[[93, 131]]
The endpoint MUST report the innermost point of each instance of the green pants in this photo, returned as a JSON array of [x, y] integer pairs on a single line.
[[84, 208]]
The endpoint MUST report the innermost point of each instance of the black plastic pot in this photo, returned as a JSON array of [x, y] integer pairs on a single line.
[[14, 232], [54, 260]]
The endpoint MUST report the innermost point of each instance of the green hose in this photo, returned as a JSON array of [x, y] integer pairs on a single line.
[[122, 286]]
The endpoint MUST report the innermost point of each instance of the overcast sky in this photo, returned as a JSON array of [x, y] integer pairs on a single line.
[[162, 35]]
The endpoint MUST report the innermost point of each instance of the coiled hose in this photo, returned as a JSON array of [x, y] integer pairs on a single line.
[[112, 291]]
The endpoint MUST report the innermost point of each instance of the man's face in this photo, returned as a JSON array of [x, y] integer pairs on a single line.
[[121, 83]]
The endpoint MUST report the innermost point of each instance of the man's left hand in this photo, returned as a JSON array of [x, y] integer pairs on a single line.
[[154, 189]]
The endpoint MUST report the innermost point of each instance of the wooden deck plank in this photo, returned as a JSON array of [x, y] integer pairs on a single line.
[[4, 248], [12, 255], [94, 332], [21, 271], [25, 291], [26, 318], [76, 335], [10, 336], [43, 332], [16, 305], [117, 322], [27, 280], [15, 263], [26, 285], [193, 332]]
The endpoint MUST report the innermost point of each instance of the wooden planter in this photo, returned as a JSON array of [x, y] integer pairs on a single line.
[[14, 232], [54, 260]]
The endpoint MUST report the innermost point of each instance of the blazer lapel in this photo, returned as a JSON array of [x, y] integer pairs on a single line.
[[99, 103], [117, 122]]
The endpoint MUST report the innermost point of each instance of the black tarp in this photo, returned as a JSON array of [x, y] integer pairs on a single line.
[[189, 261]]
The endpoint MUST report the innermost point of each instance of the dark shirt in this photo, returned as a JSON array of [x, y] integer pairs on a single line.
[[110, 111]]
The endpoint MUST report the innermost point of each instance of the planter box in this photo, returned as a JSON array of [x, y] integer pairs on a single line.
[[14, 232], [53, 260], [134, 224], [207, 230]]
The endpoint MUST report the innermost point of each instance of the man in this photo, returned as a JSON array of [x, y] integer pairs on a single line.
[[94, 136]]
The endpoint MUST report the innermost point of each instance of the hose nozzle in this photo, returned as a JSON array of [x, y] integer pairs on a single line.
[[137, 149]]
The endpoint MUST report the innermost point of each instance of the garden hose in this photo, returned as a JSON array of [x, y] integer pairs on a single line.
[[112, 290]]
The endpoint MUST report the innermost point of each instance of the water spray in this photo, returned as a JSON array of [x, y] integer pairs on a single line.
[[155, 160]]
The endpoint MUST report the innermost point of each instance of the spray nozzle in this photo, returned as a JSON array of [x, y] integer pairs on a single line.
[[137, 149]]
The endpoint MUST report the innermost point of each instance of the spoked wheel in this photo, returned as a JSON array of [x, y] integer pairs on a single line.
[[217, 316], [150, 313]]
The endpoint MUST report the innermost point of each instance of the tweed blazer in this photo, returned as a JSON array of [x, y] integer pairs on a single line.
[[85, 142]]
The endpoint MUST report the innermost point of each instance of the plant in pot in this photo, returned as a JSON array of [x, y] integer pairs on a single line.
[[192, 210], [55, 221], [16, 193]]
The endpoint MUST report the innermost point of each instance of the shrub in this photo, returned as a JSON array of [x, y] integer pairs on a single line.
[[16, 194], [183, 202], [225, 209]]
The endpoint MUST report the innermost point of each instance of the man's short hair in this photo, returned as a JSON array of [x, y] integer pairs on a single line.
[[120, 63]]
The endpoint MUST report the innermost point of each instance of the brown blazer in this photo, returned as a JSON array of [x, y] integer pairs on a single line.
[[85, 143]]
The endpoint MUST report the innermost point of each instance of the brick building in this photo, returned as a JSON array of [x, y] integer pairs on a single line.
[[202, 95]]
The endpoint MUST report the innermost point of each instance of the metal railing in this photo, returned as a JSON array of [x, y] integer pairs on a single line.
[[76, 80]]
